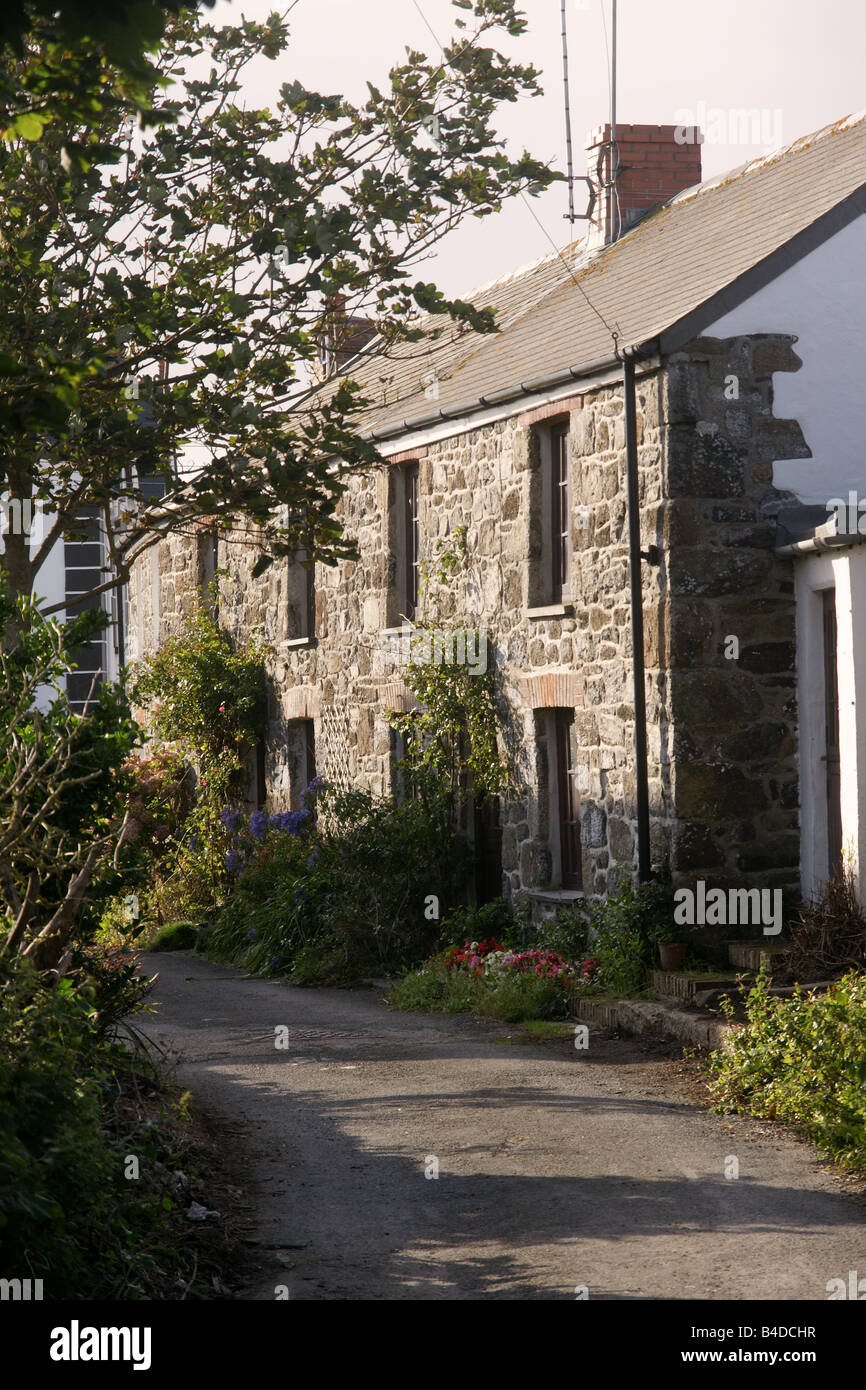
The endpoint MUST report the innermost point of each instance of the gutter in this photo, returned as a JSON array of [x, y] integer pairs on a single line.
[[497, 398], [822, 539]]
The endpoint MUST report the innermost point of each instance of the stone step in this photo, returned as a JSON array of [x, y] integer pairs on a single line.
[[686, 985], [751, 955], [604, 1013], [646, 1017]]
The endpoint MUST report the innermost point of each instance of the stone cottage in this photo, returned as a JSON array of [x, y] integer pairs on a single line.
[[707, 337]]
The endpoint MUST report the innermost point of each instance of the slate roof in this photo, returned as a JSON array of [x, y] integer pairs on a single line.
[[684, 264]]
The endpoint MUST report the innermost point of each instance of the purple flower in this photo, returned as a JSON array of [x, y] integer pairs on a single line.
[[230, 819], [259, 824], [289, 821], [313, 788], [234, 860], [251, 934]]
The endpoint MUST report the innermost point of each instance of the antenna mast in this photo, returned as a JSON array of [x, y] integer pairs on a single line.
[[613, 71], [568, 152], [613, 167]]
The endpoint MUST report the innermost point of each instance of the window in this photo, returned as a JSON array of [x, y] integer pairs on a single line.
[[152, 486], [83, 563], [567, 800], [404, 543], [560, 518], [308, 594], [550, 573], [410, 540], [301, 598], [301, 751], [261, 774], [399, 747], [207, 546]]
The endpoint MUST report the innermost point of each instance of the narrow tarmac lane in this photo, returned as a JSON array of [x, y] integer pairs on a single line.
[[555, 1170]]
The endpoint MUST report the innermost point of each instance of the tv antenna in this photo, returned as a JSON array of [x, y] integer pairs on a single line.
[[571, 215]]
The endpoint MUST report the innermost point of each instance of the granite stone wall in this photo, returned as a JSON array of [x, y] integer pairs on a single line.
[[722, 772]]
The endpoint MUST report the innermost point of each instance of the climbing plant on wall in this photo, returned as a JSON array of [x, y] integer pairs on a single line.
[[208, 698]]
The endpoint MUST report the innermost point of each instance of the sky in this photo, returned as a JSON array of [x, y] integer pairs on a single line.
[[800, 63]]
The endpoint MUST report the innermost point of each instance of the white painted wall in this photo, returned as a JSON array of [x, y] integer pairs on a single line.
[[50, 588], [849, 572], [821, 299]]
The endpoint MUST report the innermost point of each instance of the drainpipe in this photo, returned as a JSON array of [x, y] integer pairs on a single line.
[[635, 555]]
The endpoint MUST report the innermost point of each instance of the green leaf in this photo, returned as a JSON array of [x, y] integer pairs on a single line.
[[28, 125]]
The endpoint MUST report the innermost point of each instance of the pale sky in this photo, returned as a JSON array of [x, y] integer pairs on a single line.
[[802, 63]]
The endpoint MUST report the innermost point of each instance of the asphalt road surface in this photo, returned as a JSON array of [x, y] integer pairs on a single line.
[[558, 1170]]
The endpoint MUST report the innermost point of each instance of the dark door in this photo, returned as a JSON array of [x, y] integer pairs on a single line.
[[569, 801], [488, 851], [831, 726]]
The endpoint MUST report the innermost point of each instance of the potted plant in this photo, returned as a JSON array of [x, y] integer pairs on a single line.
[[672, 948]]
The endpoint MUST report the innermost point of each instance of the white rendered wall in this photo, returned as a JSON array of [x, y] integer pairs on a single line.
[[849, 571], [821, 299]]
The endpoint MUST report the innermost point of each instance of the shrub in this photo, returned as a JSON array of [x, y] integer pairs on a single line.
[[177, 936], [520, 997], [61, 785], [473, 923], [203, 693], [436, 989], [802, 1060], [829, 935], [622, 930], [567, 934], [54, 1167], [113, 971], [208, 698], [354, 888], [74, 1105]]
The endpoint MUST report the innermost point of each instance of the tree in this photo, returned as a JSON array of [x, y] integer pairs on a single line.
[[59, 59], [61, 781], [162, 290]]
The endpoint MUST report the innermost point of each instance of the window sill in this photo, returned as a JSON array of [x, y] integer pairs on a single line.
[[552, 610], [556, 895], [293, 642]]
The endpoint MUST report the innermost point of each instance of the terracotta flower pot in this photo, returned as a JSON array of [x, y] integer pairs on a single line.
[[671, 954]]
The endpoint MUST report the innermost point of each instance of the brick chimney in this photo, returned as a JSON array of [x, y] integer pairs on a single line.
[[654, 163], [340, 337]]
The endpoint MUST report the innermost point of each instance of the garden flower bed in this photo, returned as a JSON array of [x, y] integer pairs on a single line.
[[490, 979]]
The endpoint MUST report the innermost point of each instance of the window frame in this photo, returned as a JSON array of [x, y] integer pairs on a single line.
[[559, 536], [411, 539]]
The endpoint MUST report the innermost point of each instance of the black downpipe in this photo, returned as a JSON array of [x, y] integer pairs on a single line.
[[635, 555]]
